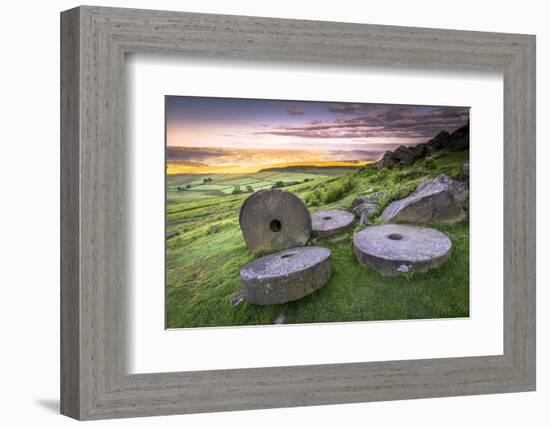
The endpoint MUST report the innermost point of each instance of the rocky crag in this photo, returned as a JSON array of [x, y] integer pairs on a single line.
[[459, 140]]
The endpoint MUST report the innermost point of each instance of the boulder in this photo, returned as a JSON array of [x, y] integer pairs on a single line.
[[364, 212], [420, 150], [394, 249], [374, 198], [437, 201], [286, 276], [331, 222], [358, 201], [438, 142], [404, 155], [371, 198], [273, 220], [385, 161]]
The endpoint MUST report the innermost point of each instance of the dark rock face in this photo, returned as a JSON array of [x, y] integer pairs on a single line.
[[459, 140], [437, 201], [385, 161], [331, 222], [438, 142], [394, 250], [365, 211], [273, 220], [286, 276], [404, 155]]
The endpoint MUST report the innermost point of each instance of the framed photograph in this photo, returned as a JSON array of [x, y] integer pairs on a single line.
[[262, 213]]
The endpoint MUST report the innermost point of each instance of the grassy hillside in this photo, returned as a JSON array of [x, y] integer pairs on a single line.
[[203, 261], [191, 187]]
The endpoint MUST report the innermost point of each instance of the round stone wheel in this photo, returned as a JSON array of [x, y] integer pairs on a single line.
[[397, 249], [329, 223], [274, 220], [286, 276]]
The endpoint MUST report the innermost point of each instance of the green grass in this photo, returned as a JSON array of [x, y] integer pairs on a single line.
[[189, 188], [203, 262]]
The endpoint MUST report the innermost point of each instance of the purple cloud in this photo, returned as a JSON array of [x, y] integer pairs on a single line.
[[377, 121], [295, 112]]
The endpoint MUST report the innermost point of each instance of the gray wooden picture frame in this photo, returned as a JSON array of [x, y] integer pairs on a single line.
[[94, 381]]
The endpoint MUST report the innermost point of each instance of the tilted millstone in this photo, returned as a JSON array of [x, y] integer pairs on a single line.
[[397, 249], [329, 223], [274, 220], [286, 276]]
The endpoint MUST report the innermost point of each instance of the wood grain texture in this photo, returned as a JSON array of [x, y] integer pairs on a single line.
[[70, 292], [94, 382]]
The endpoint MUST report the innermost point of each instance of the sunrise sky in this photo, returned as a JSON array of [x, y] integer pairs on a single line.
[[303, 125]]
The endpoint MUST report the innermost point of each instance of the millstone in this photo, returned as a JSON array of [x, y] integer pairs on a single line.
[[286, 276], [397, 249], [274, 220], [328, 223]]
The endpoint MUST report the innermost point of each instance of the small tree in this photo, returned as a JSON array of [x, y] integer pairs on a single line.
[[236, 190], [188, 186], [249, 189]]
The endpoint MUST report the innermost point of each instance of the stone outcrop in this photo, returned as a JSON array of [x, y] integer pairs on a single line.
[[436, 201], [459, 140], [365, 211]]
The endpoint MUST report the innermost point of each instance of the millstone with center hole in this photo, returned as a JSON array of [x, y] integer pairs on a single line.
[[397, 249], [273, 220], [328, 223], [286, 276]]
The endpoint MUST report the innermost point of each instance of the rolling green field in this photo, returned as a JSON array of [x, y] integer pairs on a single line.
[[192, 187], [204, 259]]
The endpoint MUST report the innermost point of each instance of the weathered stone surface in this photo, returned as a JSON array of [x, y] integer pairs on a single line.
[[405, 155], [286, 276], [358, 201], [375, 198], [365, 211], [369, 198], [438, 142], [385, 161], [273, 220], [331, 222], [437, 201], [460, 139], [394, 249]]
